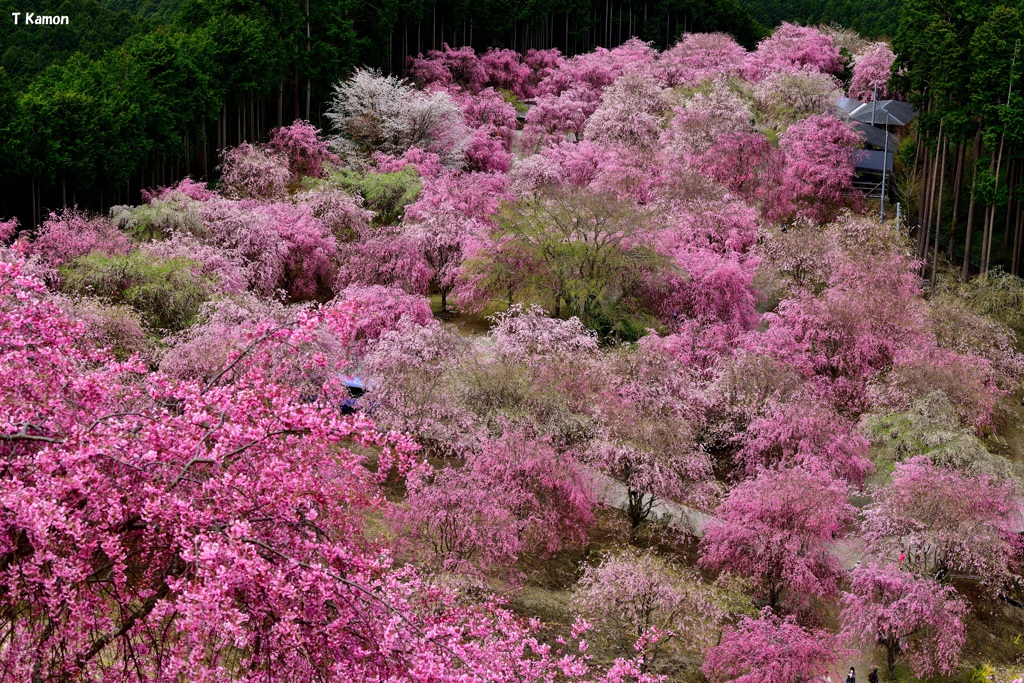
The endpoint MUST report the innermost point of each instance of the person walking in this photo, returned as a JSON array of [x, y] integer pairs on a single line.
[[851, 677], [873, 676]]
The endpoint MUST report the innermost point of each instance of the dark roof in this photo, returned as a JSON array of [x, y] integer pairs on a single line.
[[846, 104], [875, 136], [886, 112], [871, 160]]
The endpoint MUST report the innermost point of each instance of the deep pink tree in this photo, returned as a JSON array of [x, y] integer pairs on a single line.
[[305, 150], [913, 618], [709, 242], [449, 67], [872, 68], [251, 172], [808, 433], [820, 165], [771, 650], [749, 165], [506, 70], [8, 229], [944, 522], [542, 64], [285, 245], [776, 530], [700, 56], [186, 188], [792, 46], [514, 494], [70, 233], [853, 331], [360, 314], [493, 121]]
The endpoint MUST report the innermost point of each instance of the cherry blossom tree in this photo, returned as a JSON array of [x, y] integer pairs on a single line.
[[701, 56], [384, 257], [872, 68], [507, 70], [285, 245], [776, 530], [942, 521], [785, 97], [630, 113], [251, 172], [305, 150], [560, 115], [450, 67], [646, 443], [749, 165], [771, 650], [376, 113], [912, 618], [809, 434], [196, 509], [819, 165], [524, 334], [69, 233], [361, 314], [704, 118], [791, 47], [8, 229], [639, 597], [414, 380], [514, 494]]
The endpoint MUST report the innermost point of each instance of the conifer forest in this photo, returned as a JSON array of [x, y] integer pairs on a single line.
[[576, 341]]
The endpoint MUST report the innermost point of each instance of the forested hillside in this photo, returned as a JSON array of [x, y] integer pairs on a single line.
[[961, 64], [869, 18], [130, 95]]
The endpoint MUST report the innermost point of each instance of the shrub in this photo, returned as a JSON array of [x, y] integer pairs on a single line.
[[166, 293]]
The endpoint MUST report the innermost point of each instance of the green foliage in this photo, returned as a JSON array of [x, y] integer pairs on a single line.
[[386, 194], [995, 294], [167, 294], [94, 29], [869, 18], [511, 98], [579, 254], [158, 219], [929, 428]]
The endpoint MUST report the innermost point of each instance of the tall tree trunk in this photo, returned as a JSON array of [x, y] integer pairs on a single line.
[[938, 213], [930, 214], [1012, 171], [957, 187], [975, 155], [922, 204], [986, 241], [1017, 235]]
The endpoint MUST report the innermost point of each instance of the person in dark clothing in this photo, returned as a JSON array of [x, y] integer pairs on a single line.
[[851, 677], [873, 676]]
